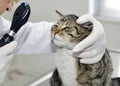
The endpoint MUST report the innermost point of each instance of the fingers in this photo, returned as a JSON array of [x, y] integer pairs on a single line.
[[91, 60], [9, 58], [97, 33], [85, 18], [88, 41], [8, 48], [3, 73], [88, 54], [4, 60], [92, 48]]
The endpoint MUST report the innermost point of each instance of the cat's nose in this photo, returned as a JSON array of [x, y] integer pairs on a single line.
[[56, 31]]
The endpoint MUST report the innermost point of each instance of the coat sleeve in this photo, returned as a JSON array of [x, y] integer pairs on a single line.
[[4, 25], [32, 38], [35, 38]]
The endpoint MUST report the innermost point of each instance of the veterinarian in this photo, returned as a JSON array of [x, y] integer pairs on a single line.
[[34, 38]]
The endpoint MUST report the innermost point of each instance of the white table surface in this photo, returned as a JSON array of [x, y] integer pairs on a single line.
[[32, 67]]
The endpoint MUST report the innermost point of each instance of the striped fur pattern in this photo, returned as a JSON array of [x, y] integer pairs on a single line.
[[66, 33]]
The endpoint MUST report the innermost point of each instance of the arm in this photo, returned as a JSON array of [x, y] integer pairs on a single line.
[[35, 38], [32, 38]]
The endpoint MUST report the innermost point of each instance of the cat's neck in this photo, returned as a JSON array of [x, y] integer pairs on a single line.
[[64, 51], [65, 63]]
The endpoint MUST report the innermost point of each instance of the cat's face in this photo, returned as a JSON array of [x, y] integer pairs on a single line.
[[67, 33]]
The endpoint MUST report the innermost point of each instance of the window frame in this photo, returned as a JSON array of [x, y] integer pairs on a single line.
[[97, 9]]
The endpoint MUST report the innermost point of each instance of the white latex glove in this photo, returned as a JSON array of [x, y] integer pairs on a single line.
[[92, 48], [5, 58]]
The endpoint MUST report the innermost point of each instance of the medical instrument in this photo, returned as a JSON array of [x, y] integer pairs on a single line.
[[20, 17]]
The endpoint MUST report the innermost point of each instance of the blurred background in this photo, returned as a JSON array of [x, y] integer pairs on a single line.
[[106, 11]]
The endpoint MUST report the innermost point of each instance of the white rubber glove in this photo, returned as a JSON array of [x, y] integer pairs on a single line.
[[5, 58], [92, 48]]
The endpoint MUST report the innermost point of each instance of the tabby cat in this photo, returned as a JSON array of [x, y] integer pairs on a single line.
[[66, 33]]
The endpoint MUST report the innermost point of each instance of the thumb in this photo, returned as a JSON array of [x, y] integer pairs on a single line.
[[85, 18], [87, 42], [8, 48]]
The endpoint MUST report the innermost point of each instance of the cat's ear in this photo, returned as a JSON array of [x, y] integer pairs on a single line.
[[60, 14], [88, 25]]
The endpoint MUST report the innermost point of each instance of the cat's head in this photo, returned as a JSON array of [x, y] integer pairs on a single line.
[[67, 33]]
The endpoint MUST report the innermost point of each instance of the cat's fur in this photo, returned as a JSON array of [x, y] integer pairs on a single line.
[[66, 33]]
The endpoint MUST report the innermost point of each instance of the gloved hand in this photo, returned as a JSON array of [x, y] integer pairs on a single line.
[[5, 58], [92, 48]]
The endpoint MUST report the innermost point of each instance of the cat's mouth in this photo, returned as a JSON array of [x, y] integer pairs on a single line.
[[58, 38], [58, 41]]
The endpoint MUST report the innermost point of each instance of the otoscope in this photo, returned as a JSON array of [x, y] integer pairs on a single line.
[[20, 17]]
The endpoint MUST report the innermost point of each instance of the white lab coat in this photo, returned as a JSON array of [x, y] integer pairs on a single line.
[[32, 38]]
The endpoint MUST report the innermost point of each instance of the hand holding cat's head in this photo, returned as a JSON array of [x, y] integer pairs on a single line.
[[67, 33]]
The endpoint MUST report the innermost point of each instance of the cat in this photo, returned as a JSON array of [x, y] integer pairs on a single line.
[[65, 34]]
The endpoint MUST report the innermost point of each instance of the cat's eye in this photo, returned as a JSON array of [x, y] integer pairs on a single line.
[[67, 29], [55, 26]]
